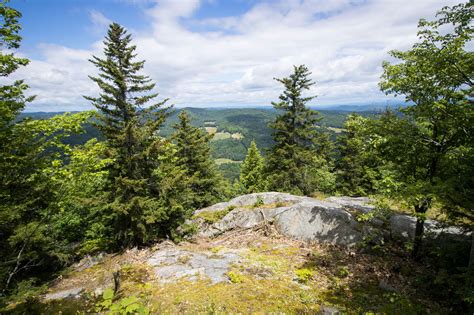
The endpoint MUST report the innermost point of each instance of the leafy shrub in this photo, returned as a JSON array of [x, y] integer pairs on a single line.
[[124, 306], [343, 272], [304, 274], [235, 277]]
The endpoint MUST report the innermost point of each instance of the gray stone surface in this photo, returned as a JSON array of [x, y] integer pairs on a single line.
[[305, 218], [329, 310], [88, 261], [69, 293], [332, 220], [171, 264], [403, 227], [251, 199], [353, 203], [319, 221]]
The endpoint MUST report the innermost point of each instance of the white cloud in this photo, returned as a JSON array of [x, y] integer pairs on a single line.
[[235, 60], [99, 19]]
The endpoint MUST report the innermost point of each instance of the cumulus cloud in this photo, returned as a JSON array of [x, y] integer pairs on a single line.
[[233, 60]]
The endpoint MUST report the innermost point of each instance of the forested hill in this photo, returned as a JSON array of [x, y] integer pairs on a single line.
[[251, 123], [233, 129]]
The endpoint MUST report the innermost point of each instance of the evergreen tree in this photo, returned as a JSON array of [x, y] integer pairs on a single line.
[[29, 150], [131, 133], [193, 154], [298, 160], [358, 164], [252, 178]]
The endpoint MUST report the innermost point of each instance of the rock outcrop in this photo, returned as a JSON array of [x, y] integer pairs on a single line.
[[332, 220], [171, 264]]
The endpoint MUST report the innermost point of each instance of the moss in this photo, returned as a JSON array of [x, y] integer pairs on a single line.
[[216, 249], [249, 296], [211, 217], [277, 263]]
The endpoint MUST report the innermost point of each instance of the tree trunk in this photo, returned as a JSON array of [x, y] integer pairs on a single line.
[[418, 238], [420, 210], [471, 257]]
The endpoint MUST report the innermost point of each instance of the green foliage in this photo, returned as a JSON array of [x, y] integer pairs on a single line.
[[29, 157], [235, 277], [252, 177], [193, 156], [230, 171], [124, 306], [422, 149], [298, 162], [304, 274], [134, 209], [185, 231], [343, 272], [357, 168]]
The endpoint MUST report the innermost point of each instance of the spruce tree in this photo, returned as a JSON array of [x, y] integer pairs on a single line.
[[298, 161], [252, 178], [193, 154], [130, 129]]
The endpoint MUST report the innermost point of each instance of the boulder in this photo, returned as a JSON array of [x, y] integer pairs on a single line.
[[402, 227], [64, 294], [332, 220], [299, 217]]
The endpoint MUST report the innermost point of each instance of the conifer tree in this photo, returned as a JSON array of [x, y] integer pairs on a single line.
[[251, 171], [298, 161], [358, 164], [130, 129], [193, 154], [28, 150]]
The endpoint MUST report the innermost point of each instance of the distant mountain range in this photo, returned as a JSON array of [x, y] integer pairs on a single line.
[[336, 107]]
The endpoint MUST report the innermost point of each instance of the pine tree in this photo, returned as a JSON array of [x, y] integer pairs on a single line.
[[298, 161], [193, 154], [252, 177], [131, 130]]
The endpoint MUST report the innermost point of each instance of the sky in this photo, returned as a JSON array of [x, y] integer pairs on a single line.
[[219, 53]]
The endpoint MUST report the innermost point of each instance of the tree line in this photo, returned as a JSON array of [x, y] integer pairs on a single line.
[[59, 202]]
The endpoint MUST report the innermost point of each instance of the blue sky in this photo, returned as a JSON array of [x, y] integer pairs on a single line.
[[219, 52]]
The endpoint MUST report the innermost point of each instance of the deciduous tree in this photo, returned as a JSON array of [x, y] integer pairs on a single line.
[[431, 144]]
